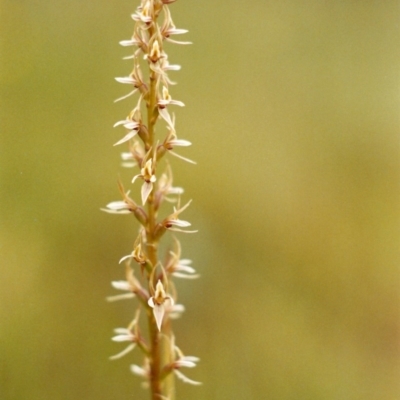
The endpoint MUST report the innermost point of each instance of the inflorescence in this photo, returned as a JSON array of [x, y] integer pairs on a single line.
[[150, 281]]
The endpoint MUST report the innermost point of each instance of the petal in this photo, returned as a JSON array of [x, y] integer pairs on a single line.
[[117, 205], [125, 79], [180, 142], [184, 363], [176, 31], [147, 187], [131, 125], [125, 155], [177, 103], [158, 311], [125, 258], [150, 302], [120, 297], [177, 41], [122, 331], [181, 230], [127, 137], [185, 276], [179, 222], [129, 164], [122, 338], [123, 352], [121, 285], [122, 122], [177, 308], [172, 67], [130, 42], [138, 370], [185, 378], [175, 190], [191, 358], [126, 96], [167, 118], [135, 177], [182, 158], [115, 211], [185, 268]]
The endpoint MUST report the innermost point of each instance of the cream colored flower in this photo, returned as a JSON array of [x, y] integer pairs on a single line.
[[172, 140], [157, 303], [130, 334], [173, 223], [169, 29], [132, 122], [180, 267], [135, 79], [182, 361], [144, 13], [147, 174]]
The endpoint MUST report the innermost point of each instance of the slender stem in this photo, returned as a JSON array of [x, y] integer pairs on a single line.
[[155, 360]]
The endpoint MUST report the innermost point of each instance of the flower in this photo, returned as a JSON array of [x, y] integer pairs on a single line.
[[130, 285], [135, 79], [121, 285], [162, 107], [180, 268], [125, 206], [172, 220], [144, 14], [132, 122], [147, 174], [143, 372], [130, 334], [157, 301], [172, 140], [136, 254], [169, 29], [165, 189], [182, 361]]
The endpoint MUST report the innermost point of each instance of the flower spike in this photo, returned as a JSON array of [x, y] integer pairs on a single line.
[[148, 282]]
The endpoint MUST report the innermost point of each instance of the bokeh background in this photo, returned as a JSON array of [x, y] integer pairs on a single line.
[[293, 111]]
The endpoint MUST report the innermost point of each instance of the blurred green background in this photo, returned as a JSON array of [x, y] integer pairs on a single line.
[[293, 111]]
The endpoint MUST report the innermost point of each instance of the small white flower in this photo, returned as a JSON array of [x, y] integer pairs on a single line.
[[157, 303], [183, 361], [167, 100], [172, 140], [169, 29], [143, 14], [124, 335], [131, 285], [165, 188], [147, 174], [172, 220], [180, 268], [124, 286], [127, 335]]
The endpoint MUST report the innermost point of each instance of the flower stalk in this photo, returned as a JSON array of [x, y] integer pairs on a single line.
[[149, 279]]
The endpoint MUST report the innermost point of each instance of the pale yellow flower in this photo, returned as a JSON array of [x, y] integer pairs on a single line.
[[157, 303]]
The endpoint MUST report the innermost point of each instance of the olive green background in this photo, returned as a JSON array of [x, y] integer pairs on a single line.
[[293, 111]]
